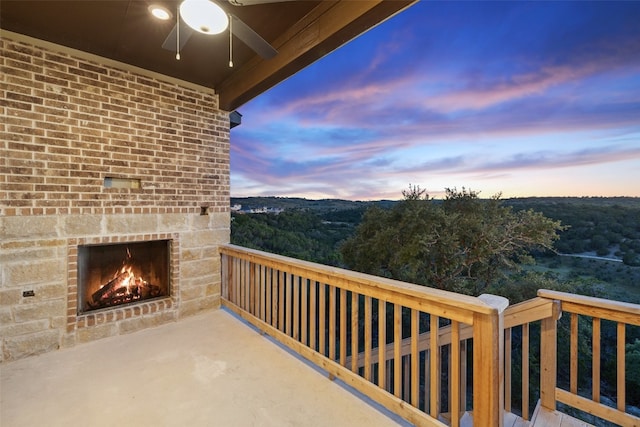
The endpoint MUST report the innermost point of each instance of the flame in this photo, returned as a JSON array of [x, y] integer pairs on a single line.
[[129, 281]]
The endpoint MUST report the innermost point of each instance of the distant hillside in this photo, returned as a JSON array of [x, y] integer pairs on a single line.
[[339, 204], [626, 202], [296, 203]]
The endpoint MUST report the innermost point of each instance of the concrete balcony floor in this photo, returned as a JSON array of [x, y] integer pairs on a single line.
[[207, 370]]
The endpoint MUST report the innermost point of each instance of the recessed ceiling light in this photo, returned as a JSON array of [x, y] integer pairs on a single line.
[[160, 12]]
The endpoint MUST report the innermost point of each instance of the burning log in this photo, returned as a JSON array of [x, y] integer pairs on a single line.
[[112, 289], [121, 289]]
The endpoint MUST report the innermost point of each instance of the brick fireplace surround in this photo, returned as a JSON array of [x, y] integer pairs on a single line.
[[68, 121]]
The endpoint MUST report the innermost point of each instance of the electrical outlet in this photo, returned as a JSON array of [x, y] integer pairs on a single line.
[[29, 293]]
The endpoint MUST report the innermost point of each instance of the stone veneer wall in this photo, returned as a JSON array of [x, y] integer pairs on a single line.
[[67, 121]]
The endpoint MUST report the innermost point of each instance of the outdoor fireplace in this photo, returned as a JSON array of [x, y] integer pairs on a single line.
[[111, 275]]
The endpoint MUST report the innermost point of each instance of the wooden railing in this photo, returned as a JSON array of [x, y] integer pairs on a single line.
[[542, 315], [354, 326], [379, 337], [617, 315]]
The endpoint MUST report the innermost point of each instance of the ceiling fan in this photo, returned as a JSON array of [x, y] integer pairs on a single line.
[[208, 17]]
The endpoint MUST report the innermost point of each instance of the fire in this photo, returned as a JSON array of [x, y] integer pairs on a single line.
[[125, 286]]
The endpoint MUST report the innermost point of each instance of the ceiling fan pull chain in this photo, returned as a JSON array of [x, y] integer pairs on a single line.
[[178, 34], [230, 42]]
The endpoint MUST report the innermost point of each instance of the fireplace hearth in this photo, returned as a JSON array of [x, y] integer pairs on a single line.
[[112, 275]]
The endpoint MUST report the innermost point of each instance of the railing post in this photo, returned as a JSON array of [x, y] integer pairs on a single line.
[[548, 358], [488, 363]]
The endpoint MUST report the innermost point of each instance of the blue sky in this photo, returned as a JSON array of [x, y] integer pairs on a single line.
[[519, 98]]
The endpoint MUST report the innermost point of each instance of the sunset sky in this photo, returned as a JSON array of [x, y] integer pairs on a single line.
[[522, 98]]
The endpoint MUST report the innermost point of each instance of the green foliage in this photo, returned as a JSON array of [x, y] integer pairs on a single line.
[[606, 227], [631, 258], [298, 234], [463, 244], [633, 370], [524, 285]]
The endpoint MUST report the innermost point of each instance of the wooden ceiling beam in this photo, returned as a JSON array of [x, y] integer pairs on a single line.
[[325, 28]]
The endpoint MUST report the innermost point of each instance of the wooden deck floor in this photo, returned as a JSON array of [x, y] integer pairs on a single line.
[[545, 418], [541, 418]]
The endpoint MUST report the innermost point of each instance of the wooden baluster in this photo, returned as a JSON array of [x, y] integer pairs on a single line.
[[382, 343], [262, 293], [415, 371], [525, 371], [620, 362], [397, 355], [313, 315], [298, 282], [270, 298], [322, 319], [229, 277], [573, 369], [304, 310], [454, 393], [289, 321], [354, 332], [281, 301], [256, 290], [434, 349], [427, 380], [234, 281], [246, 277], [449, 376], [241, 279], [343, 327], [507, 369], [332, 322], [253, 285], [253, 305], [247, 287], [367, 338], [463, 376], [313, 289], [595, 361]]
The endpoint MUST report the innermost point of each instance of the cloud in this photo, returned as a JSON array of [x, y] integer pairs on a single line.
[[555, 160], [452, 89]]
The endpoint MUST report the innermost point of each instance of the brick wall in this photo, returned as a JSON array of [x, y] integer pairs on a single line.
[[68, 121]]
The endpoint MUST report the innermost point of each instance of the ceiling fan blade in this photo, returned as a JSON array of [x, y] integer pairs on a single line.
[[185, 33], [252, 39], [252, 2]]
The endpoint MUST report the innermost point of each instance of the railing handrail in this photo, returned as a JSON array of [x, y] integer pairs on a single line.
[[530, 311], [605, 309], [457, 306]]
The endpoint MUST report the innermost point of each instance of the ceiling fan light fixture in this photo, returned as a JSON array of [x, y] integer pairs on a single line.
[[160, 12], [204, 16]]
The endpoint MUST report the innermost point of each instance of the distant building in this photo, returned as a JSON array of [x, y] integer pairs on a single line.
[[237, 208], [266, 209]]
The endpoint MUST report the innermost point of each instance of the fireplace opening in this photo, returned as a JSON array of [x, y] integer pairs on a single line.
[[110, 275]]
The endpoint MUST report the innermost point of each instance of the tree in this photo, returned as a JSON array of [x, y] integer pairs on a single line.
[[633, 371], [462, 244]]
